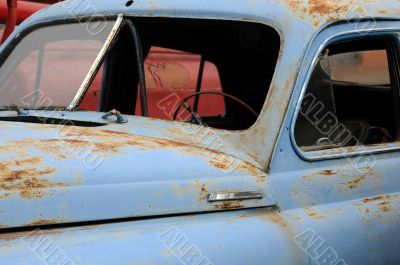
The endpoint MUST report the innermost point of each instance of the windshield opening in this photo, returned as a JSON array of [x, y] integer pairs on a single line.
[[47, 67]]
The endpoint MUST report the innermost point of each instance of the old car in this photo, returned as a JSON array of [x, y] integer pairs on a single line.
[[290, 159]]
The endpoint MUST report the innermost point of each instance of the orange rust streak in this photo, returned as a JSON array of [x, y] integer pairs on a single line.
[[357, 182], [385, 206], [40, 222], [26, 177], [380, 198], [327, 172], [324, 8], [203, 193], [314, 214], [229, 205], [319, 11]]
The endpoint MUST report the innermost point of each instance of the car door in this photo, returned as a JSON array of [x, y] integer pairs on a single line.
[[336, 166]]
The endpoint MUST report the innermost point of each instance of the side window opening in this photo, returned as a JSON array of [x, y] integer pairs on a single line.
[[239, 63], [352, 98]]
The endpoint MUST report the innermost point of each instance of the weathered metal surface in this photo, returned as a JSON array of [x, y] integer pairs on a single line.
[[50, 165], [260, 236], [169, 169], [335, 197]]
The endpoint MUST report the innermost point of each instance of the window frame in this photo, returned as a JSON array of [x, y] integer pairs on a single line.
[[227, 103], [319, 46], [16, 37]]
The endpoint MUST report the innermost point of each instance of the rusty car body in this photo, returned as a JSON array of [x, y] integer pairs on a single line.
[[295, 161]]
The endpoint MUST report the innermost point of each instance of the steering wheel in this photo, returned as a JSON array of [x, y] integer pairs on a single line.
[[196, 117]]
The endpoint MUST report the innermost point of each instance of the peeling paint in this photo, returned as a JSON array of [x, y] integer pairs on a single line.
[[360, 180], [229, 205], [30, 177], [108, 143], [320, 12], [40, 222], [325, 214]]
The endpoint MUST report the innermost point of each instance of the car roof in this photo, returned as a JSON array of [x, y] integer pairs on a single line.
[[280, 13]]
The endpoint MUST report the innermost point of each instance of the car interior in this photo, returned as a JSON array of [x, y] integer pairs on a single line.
[[352, 101]]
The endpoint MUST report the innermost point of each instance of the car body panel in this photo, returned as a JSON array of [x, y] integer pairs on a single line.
[[357, 193], [70, 168], [165, 241], [312, 209]]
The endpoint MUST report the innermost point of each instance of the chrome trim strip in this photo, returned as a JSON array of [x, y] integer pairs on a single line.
[[231, 196], [96, 65], [319, 155]]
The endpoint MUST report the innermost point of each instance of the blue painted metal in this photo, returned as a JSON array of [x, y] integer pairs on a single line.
[[153, 168], [88, 174]]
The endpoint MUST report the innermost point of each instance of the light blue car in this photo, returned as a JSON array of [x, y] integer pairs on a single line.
[[293, 159]]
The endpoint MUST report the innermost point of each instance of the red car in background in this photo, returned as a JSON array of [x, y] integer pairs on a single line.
[[171, 75]]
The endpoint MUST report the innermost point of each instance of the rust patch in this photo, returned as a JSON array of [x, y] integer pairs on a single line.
[[318, 215], [29, 177], [296, 6], [327, 8], [40, 222], [383, 12], [106, 141], [381, 198], [217, 158], [385, 206], [203, 193], [317, 11], [254, 171], [313, 214], [327, 172], [229, 205], [230, 164], [374, 199], [379, 208], [359, 181], [223, 165], [277, 218]]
